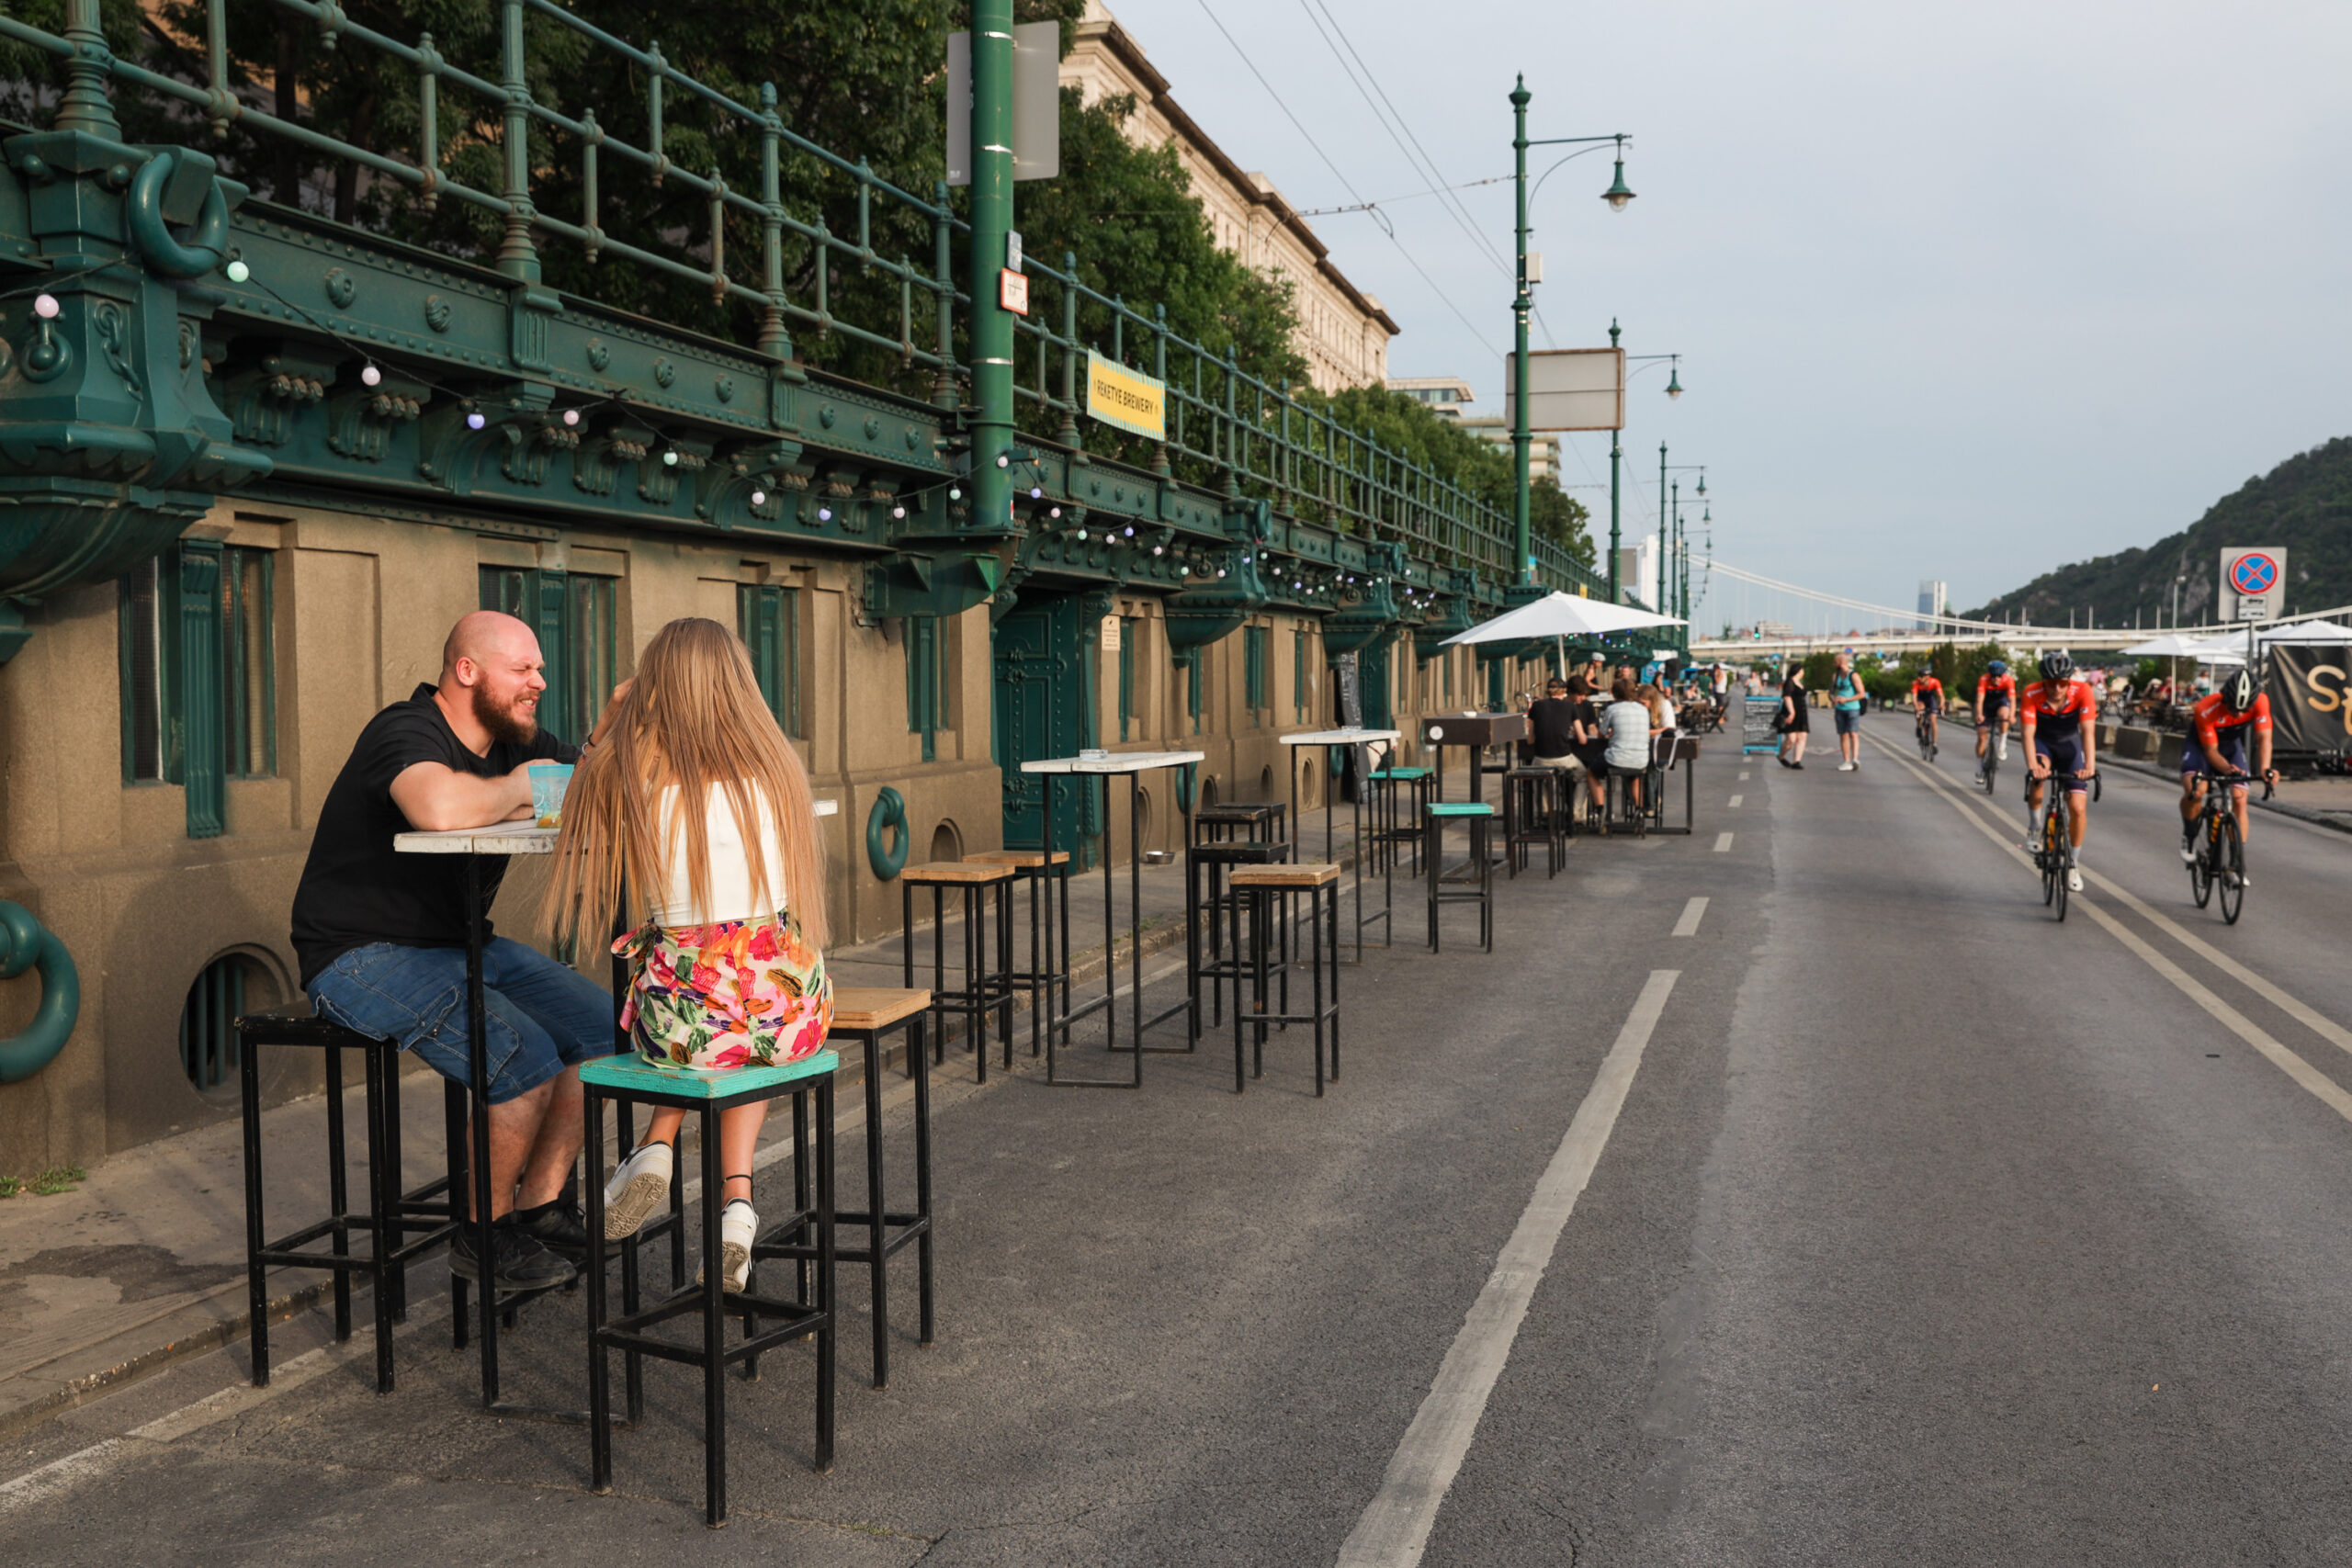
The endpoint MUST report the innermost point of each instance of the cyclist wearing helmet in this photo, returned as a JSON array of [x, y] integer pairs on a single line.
[[2060, 716], [1928, 697], [1997, 694], [2216, 748]]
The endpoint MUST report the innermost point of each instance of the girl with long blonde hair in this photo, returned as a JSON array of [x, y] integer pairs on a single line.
[[696, 806]]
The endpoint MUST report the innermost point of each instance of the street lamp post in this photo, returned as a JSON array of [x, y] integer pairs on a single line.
[[1523, 303]]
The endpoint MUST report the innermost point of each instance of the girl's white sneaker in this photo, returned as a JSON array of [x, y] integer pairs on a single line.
[[641, 1186]]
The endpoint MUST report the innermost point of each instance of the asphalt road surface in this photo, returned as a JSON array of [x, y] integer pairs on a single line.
[[1863, 1214]]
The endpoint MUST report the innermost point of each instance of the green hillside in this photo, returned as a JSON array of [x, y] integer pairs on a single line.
[[2304, 506]]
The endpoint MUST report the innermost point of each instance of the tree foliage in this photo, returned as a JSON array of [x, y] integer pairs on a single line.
[[2303, 506]]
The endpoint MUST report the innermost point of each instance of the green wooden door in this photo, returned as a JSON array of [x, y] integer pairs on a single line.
[[1042, 705]]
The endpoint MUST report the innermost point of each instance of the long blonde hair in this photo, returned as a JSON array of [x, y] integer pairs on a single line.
[[692, 717]]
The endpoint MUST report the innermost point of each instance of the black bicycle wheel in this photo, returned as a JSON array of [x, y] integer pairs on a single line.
[[2232, 858], [1992, 766], [2201, 869]]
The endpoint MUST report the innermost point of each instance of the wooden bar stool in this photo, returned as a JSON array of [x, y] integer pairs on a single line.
[[1049, 968], [987, 987], [866, 1015], [813, 1315], [1476, 881], [1267, 891]]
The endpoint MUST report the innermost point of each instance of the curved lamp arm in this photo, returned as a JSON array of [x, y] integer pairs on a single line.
[[25, 943]]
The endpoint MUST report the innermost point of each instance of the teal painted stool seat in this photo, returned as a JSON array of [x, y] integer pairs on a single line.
[[1472, 882], [631, 1080], [1400, 773]]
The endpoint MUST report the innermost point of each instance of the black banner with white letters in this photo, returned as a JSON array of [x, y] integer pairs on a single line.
[[2309, 707]]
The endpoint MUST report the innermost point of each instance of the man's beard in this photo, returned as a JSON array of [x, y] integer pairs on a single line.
[[503, 724]]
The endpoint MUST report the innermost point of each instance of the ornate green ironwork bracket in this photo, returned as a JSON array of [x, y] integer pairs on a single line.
[[25, 943]]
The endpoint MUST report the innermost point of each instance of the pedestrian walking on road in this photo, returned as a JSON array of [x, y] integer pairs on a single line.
[[698, 805], [1791, 722], [1846, 694]]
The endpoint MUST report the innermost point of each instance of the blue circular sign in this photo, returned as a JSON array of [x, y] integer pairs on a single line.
[[2253, 575]]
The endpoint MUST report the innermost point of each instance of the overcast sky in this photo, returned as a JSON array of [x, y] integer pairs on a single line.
[[1964, 291]]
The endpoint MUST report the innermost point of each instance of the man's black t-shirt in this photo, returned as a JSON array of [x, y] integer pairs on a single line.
[[1548, 719], [355, 889]]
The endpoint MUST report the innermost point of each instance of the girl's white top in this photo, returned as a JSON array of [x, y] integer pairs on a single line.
[[1627, 724], [732, 897]]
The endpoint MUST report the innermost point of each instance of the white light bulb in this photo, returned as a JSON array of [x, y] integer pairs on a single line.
[[1131, 533], [670, 458], [759, 498], [897, 511], [370, 376], [571, 416], [1053, 512], [824, 514], [1155, 549], [238, 272], [1036, 494], [475, 422], [1002, 461], [45, 305], [1220, 571], [954, 493]]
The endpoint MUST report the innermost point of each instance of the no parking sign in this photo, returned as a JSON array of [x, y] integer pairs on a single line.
[[2254, 583]]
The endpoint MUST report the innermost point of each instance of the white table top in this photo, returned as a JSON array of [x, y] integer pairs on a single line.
[[1117, 762], [507, 838], [1342, 737]]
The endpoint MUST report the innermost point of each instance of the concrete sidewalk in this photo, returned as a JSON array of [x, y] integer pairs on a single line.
[[141, 1264]]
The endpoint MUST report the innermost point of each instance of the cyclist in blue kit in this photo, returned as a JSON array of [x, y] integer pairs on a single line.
[[2060, 719]]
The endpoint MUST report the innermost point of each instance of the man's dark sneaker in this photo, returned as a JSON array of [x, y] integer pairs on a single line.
[[519, 1260], [560, 1226]]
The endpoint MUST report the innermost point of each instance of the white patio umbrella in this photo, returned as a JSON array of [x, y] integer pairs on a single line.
[[2171, 645], [2329, 632], [1561, 617]]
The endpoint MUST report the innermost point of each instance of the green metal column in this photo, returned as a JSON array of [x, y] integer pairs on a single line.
[[1616, 460], [1523, 567], [1658, 601], [991, 220]]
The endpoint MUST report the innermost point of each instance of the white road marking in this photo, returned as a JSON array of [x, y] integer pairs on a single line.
[[1735, 800], [1692, 913], [1743, 777], [1723, 842], [2321, 1086], [1394, 1529]]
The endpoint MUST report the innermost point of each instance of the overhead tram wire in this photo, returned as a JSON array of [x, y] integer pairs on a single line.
[[1345, 184], [1416, 156]]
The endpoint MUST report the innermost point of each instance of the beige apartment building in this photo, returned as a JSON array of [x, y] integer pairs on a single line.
[[1343, 332]]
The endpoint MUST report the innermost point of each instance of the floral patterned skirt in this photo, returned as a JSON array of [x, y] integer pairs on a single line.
[[737, 994]]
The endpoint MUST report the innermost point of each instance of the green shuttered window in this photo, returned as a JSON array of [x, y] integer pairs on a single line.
[[926, 681], [768, 620], [577, 620], [1254, 642], [198, 668]]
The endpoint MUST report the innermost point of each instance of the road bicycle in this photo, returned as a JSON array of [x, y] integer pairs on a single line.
[[2220, 849], [1923, 722], [1992, 760], [2054, 852]]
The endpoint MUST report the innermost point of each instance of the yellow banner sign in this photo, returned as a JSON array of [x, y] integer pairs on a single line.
[[1118, 396]]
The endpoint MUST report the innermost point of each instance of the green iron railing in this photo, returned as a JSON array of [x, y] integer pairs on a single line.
[[1225, 426]]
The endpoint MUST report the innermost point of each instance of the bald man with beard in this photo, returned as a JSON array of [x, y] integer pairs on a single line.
[[381, 936]]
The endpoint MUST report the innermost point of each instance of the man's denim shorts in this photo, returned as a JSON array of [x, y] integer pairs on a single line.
[[1850, 722], [541, 1017]]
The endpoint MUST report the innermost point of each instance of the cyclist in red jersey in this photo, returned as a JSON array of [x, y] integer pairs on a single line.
[[2217, 729], [1997, 695], [2059, 717], [1928, 697]]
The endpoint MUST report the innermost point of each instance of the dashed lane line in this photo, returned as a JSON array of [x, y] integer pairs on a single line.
[[1723, 842], [1692, 913], [1394, 1529], [2323, 1088], [1734, 801]]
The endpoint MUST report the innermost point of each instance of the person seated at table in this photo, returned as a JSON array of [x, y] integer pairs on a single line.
[[382, 935], [698, 805], [1625, 724], [1552, 736]]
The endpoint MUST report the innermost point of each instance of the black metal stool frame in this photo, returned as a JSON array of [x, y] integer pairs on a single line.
[[1266, 970], [1481, 870], [985, 990], [887, 1233], [800, 1319], [391, 1216]]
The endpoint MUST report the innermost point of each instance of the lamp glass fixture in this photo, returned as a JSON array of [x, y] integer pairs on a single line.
[[1618, 193], [1674, 382]]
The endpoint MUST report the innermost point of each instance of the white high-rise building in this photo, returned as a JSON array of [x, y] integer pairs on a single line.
[[1935, 601]]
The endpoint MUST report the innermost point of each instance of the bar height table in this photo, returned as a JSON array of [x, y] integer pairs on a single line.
[[518, 838], [1131, 763], [1331, 811]]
